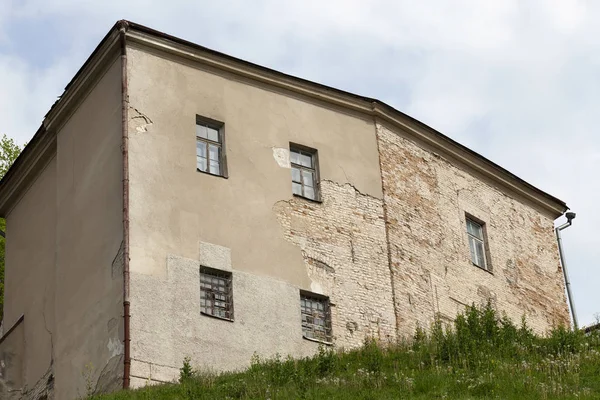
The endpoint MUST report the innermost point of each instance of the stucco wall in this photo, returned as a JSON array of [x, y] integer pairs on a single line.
[[168, 324], [62, 239], [426, 200], [174, 207], [277, 244], [30, 272], [12, 350], [89, 232]]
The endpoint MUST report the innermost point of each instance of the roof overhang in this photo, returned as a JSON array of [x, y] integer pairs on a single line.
[[12, 183]]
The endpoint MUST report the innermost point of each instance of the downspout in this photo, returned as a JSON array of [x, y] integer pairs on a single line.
[[570, 216], [123, 25]]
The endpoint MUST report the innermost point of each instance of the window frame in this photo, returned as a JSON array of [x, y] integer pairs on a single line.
[[314, 154], [219, 274], [483, 240], [220, 128], [326, 316]]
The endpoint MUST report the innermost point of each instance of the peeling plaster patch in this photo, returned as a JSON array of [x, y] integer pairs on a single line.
[[318, 264], [215, 256], [426, 200], [115, 347], [343, 244], [282, 156], [112, 324], [42, 389], [110, 379], [142, 121]]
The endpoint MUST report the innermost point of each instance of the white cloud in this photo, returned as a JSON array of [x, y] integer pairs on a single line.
[[515, 80]]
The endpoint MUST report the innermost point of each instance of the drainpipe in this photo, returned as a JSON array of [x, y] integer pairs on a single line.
[[123, 25], [570, 217]]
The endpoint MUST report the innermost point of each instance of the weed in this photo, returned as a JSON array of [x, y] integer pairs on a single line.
[[186, 371], [479, 355]]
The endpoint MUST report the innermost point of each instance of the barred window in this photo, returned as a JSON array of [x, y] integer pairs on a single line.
[[316, 317], [216, 294], [304, 165], [210, 151], [475, 232]]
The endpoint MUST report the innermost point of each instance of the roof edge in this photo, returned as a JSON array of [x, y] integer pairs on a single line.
[[366, 105], [370, 106], [40, 148]]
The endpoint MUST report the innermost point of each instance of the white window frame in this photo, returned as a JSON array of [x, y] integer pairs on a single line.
[[218, 143], [476, 236], [313, 169]]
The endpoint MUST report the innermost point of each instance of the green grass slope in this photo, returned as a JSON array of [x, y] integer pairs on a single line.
[[479, 357]]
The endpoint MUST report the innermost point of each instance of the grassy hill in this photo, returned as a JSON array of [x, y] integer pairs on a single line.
[[480, 357]]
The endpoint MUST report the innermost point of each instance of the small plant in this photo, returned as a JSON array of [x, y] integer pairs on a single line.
[[186, 372], [325, 360], [88, 374], [479, 355]]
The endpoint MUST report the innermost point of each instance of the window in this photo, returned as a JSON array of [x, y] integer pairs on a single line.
[[304, 172], [475, 232], [316, 318], [210, 151], [216, 295]]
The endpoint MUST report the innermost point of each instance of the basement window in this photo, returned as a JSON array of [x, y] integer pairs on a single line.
[[305, 178], [477, 243], [216, 294], [210, 148], [316, 317]]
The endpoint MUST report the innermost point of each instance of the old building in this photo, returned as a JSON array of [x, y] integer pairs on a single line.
[[180, 202]]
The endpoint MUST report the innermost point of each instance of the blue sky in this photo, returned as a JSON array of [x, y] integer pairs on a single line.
[[516, 81]]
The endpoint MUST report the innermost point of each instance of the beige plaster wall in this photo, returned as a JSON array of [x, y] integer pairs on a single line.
[[62, 266], [278, 244], [12, 351], [174, 208], [168, 325], [89, 232], [426, 200], [29, 272]]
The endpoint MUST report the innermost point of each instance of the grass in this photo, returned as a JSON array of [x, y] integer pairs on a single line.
[[480, 357]]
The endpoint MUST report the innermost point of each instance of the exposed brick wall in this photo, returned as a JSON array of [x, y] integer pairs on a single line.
[[344, 246], [426, 199]]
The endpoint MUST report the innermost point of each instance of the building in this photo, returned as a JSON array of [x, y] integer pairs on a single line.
[[180, 202]]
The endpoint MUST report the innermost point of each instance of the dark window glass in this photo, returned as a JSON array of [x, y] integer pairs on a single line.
[[316, 318], [209, 148], [304, 173], [216, 297], [476, 243]]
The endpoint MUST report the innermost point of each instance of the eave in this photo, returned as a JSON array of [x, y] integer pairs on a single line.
[[42, 147], [11, 184]]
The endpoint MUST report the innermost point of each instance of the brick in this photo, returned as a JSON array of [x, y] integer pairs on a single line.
[[426, 198]]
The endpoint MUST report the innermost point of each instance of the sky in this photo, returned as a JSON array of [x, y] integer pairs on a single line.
[[518, 81]]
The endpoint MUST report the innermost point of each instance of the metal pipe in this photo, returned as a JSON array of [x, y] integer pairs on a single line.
[[123, 25], [570, 217]]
